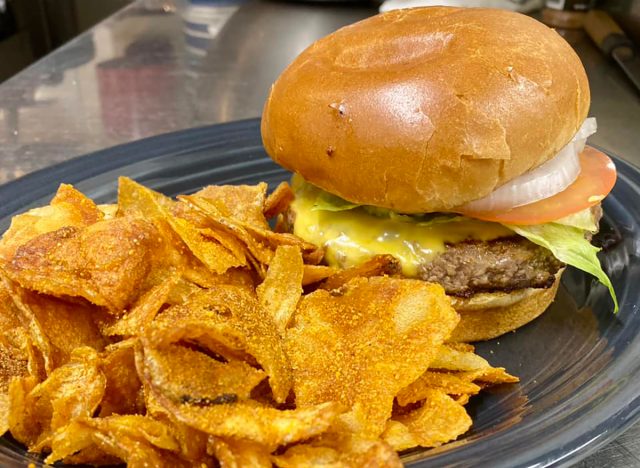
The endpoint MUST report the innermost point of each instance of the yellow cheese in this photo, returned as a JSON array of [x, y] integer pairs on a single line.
[[351, 237]]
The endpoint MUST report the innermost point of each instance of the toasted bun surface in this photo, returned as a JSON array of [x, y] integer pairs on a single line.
[[425, 109], [486, 316]]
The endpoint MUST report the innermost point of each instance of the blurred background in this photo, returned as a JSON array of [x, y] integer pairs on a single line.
[[29, 29], [81, 75]]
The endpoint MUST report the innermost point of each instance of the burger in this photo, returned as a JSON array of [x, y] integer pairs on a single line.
[[454, 140]]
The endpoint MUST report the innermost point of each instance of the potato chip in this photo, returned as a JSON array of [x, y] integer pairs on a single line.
[[449, 358], [135, 439], [316, 273], [144, 310], [261, 242], [230, 322], [108, 210], [449, 383], [189, 376], [71, 391], [105, 263], [440, 419], [123, 391], [192, 443], [259, 251], [77, 205], [238, 453], [241, 203], [339, 452], [68, 208], [253, 421], [4, 412], [136, 200], [362, 345], [377, 266], [281, 289], [279, 200]]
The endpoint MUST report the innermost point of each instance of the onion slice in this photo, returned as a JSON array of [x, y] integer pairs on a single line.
[[544, 181]]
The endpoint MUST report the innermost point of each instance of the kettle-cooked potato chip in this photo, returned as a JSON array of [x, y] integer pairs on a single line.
[[439, 420], [281, 289], [71, 391], [240, 203], [377, 266], [339, 452], [228, 321], [278, 201], [123, 391], [253, 421], [187, 375], [67, 208], [135, 439], [137, 200], [134, 322], [316, 273], [105, 263], [238, 453], [361, 345]]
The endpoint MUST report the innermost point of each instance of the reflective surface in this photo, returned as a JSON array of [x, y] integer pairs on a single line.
[[159, 66], [578, 364]]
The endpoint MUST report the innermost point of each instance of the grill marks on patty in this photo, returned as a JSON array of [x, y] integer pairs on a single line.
[[504, 264]]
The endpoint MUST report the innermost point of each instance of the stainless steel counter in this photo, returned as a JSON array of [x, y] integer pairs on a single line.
[[156, 67]]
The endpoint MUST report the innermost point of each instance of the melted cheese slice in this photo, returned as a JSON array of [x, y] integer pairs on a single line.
[[351, 237]]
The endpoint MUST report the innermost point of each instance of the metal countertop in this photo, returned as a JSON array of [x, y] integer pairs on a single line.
[[159, 66]]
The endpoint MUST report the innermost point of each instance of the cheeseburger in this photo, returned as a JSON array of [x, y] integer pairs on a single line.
[[454, 140]]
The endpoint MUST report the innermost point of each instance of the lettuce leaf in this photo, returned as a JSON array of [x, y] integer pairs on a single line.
[[326, 201], [582, 219], [568, 245]]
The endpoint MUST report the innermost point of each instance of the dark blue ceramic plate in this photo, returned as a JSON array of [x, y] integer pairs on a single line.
[[578, 363]]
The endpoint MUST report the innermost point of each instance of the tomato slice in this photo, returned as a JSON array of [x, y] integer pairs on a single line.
[[597, 178]]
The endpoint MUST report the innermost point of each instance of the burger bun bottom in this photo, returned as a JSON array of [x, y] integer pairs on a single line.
[[489, 315]]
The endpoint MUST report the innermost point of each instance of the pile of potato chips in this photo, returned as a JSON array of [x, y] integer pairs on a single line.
[[187, 332]]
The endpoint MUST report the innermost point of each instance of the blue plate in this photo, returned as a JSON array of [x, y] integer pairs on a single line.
[[578, 363]]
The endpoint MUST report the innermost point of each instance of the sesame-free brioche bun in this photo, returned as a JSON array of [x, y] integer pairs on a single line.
[[425, 109], [487, 316]]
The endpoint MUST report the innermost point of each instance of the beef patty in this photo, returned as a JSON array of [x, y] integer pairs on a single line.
[[504, 264]]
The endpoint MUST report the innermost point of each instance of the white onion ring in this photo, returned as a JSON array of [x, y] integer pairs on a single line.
[[542, 182]]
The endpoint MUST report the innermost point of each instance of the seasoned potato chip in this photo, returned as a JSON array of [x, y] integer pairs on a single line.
[[4, 412], [135, 439], [457, 372], [230, 322], [238, 453], [250, 420], [449, 358], [449, 383], [241, 203], [339, 452], [82, 211], [377, 266], [123, 391], [279, 200], [316, 273], [68, 208], [361, 346], [105, 263], [144, 311], [71, 391], [189, 376], [281, 289], [439, 420], [261, 242], [137, 200]]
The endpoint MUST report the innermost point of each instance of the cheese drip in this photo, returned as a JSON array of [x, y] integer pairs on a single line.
[[351, 237]]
